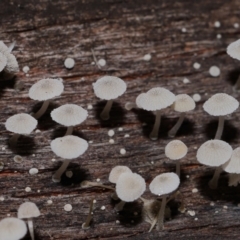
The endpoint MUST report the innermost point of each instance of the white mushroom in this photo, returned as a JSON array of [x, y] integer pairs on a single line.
[[12, 229], [68, 148], [129, 187], [183, 103], [29, 210], [155, 100], [175, 150], [162, 185], [21, 123], [220, 104], [108, 88], [44, 90], [69, 115], [214, 153]]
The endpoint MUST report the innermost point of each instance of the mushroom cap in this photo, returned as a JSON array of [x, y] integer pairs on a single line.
[[12, 229], [130, 186], [233, 49], [12, 64], [176, 150], [46, 89], [183, 103], [21, 123], [220, 104], [69, 147], [233, 165], [155, 99], [3, 61], [109, 87], [69, 115], [214, 153], [28, 210], [164, 183], [116, 172]]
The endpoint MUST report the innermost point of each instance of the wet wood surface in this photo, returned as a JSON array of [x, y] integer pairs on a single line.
[[177, 34]]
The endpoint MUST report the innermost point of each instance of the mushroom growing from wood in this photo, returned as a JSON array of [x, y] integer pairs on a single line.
[[183, 103], [175, 150], [162, 185], [129, 187], [45, 90], [214, 153], [21, 123], [29, 210], [68, 148], [86, 224], [108, 88], [12, 229], [69, 115], [220, 104], [155, 100]]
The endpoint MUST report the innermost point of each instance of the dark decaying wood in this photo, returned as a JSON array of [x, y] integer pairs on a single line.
[[121, 32]]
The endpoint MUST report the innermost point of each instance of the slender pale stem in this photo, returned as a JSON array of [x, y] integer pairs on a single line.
[[30, 227], [57, 175], [120, 206], [130, 105], [42, 110], [220, 128], [161, 213], [105, 113], [86, 225], [154, 134], [93, 184], [213, 183], [178, 168], [69, 131], [12, 45], [13, 140], [176, 127]]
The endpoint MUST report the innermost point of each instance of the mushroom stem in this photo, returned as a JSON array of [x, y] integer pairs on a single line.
[[178, 168], [12, 45], [86, 224], [172, 132], [161, 213], [13, 140], [105, 113], [57, 175], [42, 110], [69, 131], [233, 180], [213, 183], [120, 206], [93, 184], [115, 196], [220, 128], [154, 134], [130, 105], [30, 227]]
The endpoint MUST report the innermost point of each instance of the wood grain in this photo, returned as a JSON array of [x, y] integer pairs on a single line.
[[121, 32]]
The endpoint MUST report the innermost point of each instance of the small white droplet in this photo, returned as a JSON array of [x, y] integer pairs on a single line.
[[37, 131], [1, 198], [69, 174], [111, 133], [212, 203], [69, 63], [126, 135], [196, 97], [111, 141], [184, 30], [191, 213], [53, 159], [120, 129], [219, 36], [186, 80], [17, 159], [103, 208], [26, 69], [68, 207], [214, 71], [3, 148], [89, 106], [90, 142], [194, 190], [122, 151], [117, 221], [49, 201], [225, 207], [98, 179], [187, 176], [94, 201], [196, 65], [38, 190], [147, 57], [33, 155], [216, 211], [236, 25], [217, 24], [102, 62], [33, 171], [28, 189], [8, 214], [195, 219], [152, 162]]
